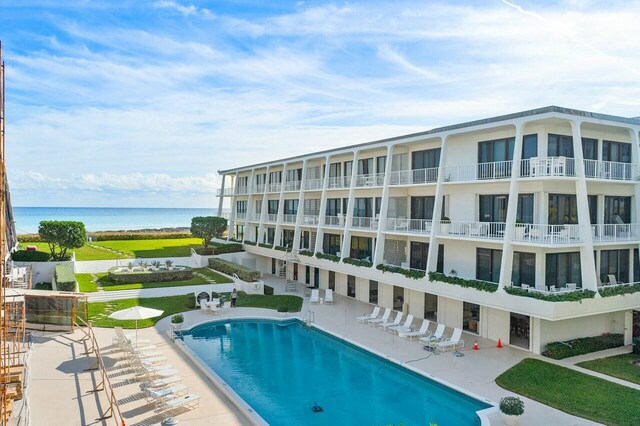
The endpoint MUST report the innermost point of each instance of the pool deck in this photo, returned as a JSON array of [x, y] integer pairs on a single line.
[[58, 383]]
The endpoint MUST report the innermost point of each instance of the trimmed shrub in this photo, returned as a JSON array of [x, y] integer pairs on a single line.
[[177, 319], [30, 238], [512, 406], [636, 345], [208, 228], [584, 345], [191, 301], [283, 308], [463, 282], [227, 248], [409, 273], [266, 245], [148, 276], [251, 243], [615, 291], [230, 268], [43, 286], [357, 262], [62, 235], [268, 290], [331, 257], [307, 253], [30, 256], [282, 248], [574, 296], [124, 235], [65, 279]]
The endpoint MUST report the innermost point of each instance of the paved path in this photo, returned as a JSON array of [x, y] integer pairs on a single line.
[[158, 292]]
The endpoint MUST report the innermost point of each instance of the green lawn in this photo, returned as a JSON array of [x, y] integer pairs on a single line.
[[86, 283], [620, 366], [573, 392], [99, 311], [107, 285], [218, 278], [178, 247], [83, 253], [294, 303]]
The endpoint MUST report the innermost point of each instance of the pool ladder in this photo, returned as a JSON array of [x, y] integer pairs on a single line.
[[309, 317]]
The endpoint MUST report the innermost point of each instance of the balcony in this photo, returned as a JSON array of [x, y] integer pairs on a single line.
[[408, 226], [274, 187], [547, 234], [241, 216], [414, 177], [272, 217], [289, 218], [370, 223], [473, 230], [225, 193], [253, 217], [605, 233], [339, 182], [313, 184], [242, 190], [310, 220], [293, 185], [478, 171], [259, 188], [370, 180], [334, 221]]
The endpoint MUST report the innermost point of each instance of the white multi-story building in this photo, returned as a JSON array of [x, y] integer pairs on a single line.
[[527, 225]]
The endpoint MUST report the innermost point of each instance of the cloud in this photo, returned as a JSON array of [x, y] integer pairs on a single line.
[[185, 10]]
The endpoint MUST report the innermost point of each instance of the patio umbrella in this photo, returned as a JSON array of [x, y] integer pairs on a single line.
[[136, 313]]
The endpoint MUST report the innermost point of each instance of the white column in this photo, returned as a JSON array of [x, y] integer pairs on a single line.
[[232, 218], [263, 211], [378, 254], [506, 264], [432, 256], [221, 197], [635, 170], [587, 263], [300, 212], [249, 205], [346, 239], [323, 206], [277, 239]]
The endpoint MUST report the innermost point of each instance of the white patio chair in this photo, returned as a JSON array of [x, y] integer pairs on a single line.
[[328, 296], [424, 330], [393, 323], [165, 405], [455, 342], [315, 296], [375, 321], [435, 337], [372, 315], [404, 328]]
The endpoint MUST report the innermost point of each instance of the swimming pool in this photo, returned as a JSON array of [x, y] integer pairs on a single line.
[[282, 369]]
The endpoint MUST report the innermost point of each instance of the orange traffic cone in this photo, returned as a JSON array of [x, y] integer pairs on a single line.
[[475, 346], [499, 346]]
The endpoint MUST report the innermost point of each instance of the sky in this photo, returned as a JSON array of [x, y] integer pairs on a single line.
[[139, 103]]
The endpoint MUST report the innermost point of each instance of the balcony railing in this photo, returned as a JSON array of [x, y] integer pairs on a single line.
[[547, 234], [272, 217], [253, 217], [548, 167], [364, 223], [293, 185], [609, 170], [337, 221], [274, 187], [483, 230], [310, 220], [313, 184], [413, 177], [242, 215], [339, 182], [478, 171], [227, 192], [242, 190], [289, 218], [258, 188], [409, 226], [616, 232], [363, 181]]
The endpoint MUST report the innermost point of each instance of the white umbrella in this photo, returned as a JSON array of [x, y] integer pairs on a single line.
[[136, 313]]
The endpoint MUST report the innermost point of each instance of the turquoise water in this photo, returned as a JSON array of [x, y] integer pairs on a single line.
[[283, 369], [108, 218]]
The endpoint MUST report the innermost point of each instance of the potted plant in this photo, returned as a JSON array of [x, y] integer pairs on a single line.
[[519, 231], [169, 264], [156, 265], [130, 266], [512, 409], [282, 310], [177, 321], [444, 225]]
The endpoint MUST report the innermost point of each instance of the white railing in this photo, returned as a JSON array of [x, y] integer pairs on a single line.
[[552, 289], [289, 218], [340, 182], [609, 170], [410, 226], [312, 184], [370, 180], [337, 221], [241, 215], [259, 188], [225, 193], [274, 187], [616, 232], [412, 177], [293, 185], [253, 217], [364, 222], [547, 234], [483, 230], [478, 171], [548, 167], [241, 190], [271, 217], [310, 219]]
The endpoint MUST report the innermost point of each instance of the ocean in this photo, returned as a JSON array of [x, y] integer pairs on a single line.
[[108, 218]]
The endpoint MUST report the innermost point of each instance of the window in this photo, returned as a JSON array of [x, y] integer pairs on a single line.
[[331, 244], [294, 175], [616, 263], [272, 206], [593, 208], [295, 272], [616, 151], [261, 179], [240, 232], [273, 266], [351, 286], [271, 233], [275, 177], [418, 256], [589, 149], [524, 269], [332, 280], [636, 266], [525, 208], [242, 181], [381, 163], [307, 274], [431, 307], [529, 146], [333, 206], [562, 209], [488, 264], [348, 168], [422, 207], [365, 166], [427, 159], [316, 277], [363, 207], [398, 297], [287, 237], [304, 240], [470, 317], [560, 146], [495, 150], [563, 268], [493, 208], [241, 206], [334, 170], [373, 292], [361, 248], [617, 210], [290, 206]]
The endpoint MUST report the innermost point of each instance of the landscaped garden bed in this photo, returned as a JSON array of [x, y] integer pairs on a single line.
[[126, 275], [583, 345], [230, 268]]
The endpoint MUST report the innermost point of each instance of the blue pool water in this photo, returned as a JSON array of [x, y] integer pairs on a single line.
[[282, 369]]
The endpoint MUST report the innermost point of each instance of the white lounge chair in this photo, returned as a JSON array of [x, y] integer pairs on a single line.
[[393, 323], [315, 296], [435, 337], [455, 342], [161, 383], [164, 405], [375, 321], [328, 296], [372, 315], [424, 330], [404, 328], [176, 390], [612, 279]]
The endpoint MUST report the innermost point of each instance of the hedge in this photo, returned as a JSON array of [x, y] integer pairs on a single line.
[[615, 291], [43, 286], [65, 279], [331, 257], [307, 253], [268, 290], [230, 268], [265, 245], [584, 345], [251, 243], [409, 273], [30, 238], [30, 256], [573, 296], [109, 236], [463, 282], [219, 248], [636, 345], [149, 276], [357, 262], [282, 248]]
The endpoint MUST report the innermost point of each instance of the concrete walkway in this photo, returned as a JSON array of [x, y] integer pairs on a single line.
[[144, 293]]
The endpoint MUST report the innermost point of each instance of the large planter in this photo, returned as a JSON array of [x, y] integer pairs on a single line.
[[177, 325], [510, 420]]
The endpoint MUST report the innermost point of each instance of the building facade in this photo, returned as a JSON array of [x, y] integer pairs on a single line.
[[524, 227]]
